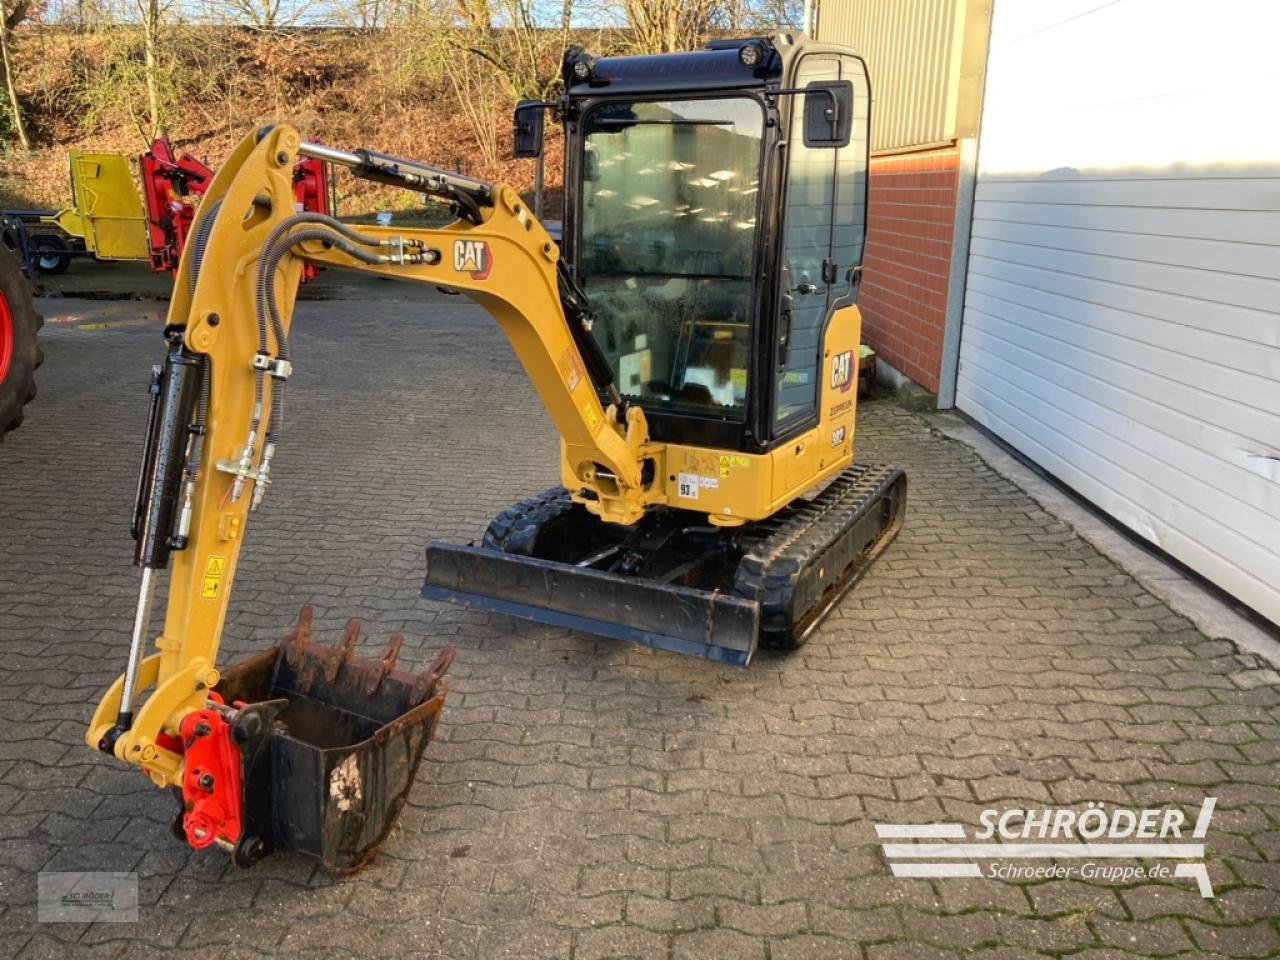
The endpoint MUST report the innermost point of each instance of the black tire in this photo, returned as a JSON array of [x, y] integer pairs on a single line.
[[19, 352], [50, 254]]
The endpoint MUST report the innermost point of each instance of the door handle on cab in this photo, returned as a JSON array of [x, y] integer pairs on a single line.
[[784, 337]]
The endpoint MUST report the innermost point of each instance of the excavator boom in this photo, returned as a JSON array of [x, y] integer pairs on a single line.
[[213, 431]]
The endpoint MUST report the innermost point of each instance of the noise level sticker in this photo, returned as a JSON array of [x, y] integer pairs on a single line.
[[691, 483], [213, 571]]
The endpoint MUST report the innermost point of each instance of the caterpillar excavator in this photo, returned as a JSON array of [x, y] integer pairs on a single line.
[[695, 343]]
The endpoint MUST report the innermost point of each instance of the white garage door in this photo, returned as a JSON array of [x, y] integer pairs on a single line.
[[1122, 313]]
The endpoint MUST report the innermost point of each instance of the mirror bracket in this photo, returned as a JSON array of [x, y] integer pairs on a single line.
[[828, 112], [527, 124]]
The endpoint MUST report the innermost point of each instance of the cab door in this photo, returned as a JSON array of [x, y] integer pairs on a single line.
[[822, 234]]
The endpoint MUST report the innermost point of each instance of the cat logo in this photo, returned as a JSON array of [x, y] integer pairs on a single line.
[[842, 371], [472, 256]]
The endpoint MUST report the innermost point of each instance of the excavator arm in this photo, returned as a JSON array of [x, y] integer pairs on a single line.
[[216, 418]]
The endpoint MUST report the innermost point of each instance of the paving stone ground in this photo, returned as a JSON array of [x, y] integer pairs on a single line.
[[610, 800]]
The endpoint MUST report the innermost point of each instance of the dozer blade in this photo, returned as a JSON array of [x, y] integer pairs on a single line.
[[672, 581], [327, 744], [710, 624]]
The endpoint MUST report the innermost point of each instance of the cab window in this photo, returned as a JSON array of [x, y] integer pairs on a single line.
[[667, 246]]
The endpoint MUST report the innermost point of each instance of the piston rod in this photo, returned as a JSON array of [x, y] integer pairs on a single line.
[[395, 171], [141, 623]]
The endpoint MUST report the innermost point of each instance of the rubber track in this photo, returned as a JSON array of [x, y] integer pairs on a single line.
[[770, 573], [515, 528]]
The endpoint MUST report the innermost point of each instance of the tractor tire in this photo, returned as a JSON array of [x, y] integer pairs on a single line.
[[50, 254], [19, 352]]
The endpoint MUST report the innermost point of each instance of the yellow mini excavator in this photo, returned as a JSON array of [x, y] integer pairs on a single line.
[[694, 338]]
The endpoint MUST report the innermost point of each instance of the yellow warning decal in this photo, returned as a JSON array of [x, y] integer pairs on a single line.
[[571, 369], [593, 418], [732, 463], [213, 571]]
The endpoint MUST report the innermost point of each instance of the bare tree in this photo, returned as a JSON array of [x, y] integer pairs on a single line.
[[258, 14], [12, 13], [270, 16], [152, 13], [664, 26], [758, 16], [508, 37], [484, 111]]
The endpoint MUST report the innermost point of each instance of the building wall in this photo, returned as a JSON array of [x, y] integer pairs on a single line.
[[911, 204], [926, 58], [1122, 315]]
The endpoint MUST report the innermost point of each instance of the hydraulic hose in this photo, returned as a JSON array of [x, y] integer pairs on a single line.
[[284, 238], [265, 302], [202, 241], [296, 230]]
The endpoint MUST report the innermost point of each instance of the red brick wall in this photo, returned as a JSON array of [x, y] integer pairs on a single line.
[[911, 214]]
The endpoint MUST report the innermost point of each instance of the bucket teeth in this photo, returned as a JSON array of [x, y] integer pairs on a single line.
[[339, 658], [387, 663], [428, 678], [317, 662], [297, 641]]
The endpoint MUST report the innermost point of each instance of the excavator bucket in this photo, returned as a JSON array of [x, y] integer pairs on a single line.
[[329, 745]]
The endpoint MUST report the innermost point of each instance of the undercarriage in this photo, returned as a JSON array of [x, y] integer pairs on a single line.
[[672, 580]]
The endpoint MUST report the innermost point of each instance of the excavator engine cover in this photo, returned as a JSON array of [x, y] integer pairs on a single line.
[[329, 745]]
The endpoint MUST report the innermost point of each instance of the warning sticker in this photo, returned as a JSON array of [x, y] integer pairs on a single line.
[[593, 418], [213, 570], [571, 369], [724, 467]]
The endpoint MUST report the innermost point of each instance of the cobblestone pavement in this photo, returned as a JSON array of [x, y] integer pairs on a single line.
[[591, 799]]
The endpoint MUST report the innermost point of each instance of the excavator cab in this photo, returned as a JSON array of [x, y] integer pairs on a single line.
[[715, 218], [716, 209]]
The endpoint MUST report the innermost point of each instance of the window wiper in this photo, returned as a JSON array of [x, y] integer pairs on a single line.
[[620, 122]]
